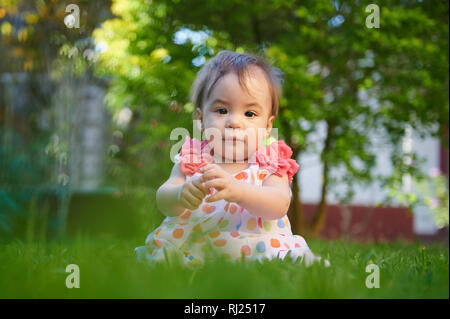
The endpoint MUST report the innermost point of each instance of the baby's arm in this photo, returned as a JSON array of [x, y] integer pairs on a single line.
[[167, 194], [271, 201], [191, 193]]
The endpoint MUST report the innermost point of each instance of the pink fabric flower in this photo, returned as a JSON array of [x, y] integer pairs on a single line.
[[283, 167], [293, 168], [194, 155], [267, 157], [276, 159], [284, 150]]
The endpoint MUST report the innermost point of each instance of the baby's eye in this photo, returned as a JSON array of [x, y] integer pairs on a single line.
[[250, 114], [221, 110]]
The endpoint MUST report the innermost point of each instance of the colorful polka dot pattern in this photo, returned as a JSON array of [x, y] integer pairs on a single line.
[[226, 228]]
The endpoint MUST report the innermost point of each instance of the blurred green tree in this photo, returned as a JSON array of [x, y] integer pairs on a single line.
[[37, 54], [357, 80]]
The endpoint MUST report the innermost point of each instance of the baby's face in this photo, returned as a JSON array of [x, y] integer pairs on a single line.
[[235, 121]]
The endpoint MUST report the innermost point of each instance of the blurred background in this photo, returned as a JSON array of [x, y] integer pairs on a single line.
[[90, 91]]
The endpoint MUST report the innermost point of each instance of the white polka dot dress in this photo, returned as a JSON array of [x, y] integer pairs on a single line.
[[227, 229]]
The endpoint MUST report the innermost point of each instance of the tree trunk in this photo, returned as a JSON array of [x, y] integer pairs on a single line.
[[295, 212], [321, 212]]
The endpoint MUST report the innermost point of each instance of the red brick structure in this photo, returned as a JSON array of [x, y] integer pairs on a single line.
[[365, 223]]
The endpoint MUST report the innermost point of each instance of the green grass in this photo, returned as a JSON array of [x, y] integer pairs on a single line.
[[108, 269]]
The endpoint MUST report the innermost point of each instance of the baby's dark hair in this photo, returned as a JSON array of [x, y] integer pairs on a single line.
[[228, 61]]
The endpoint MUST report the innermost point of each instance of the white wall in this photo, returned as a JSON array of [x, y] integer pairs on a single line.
[[428, 148], [310, 178]]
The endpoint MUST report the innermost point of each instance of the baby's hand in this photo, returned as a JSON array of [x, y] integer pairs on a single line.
[[215, 176], [192, 193]]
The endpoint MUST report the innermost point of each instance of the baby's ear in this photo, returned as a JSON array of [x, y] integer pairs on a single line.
[[270, 123]]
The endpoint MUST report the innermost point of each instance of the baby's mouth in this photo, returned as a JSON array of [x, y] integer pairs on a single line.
[[234, 139]]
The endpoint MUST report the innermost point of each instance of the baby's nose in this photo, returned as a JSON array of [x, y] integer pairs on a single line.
[[234, 125], [234, 122]]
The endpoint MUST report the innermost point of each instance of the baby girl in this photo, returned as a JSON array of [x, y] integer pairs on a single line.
[[229, 194]]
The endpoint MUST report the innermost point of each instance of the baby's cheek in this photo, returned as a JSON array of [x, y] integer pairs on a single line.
[[253, 140]]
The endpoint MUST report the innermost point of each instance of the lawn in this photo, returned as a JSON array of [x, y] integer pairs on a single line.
[[108, 269]]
